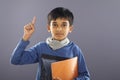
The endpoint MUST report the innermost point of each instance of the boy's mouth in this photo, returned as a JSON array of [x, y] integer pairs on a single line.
[[59, 34]]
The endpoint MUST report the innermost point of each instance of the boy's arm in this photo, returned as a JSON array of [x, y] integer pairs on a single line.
[[83, 73], [19, 55]]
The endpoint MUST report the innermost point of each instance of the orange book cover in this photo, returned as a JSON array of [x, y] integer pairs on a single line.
[[65, 69]]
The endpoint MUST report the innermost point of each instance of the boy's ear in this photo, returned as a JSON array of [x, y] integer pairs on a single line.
[[48, 28], [71, 29]]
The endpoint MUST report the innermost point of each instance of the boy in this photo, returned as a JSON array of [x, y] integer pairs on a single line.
[[60, 24]]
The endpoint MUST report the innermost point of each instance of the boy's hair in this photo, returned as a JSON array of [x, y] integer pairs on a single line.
[[60, 12]]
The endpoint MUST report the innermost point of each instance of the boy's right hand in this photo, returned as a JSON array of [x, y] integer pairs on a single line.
[[29, 29]]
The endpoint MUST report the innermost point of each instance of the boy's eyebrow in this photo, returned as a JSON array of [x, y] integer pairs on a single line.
[[64, 22], [53, 22], [56, 22]]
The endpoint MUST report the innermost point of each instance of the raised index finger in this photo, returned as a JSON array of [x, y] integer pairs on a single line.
[[34, 20]]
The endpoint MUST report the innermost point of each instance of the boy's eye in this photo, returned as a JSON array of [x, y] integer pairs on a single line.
[[54, 25], [64, 25]]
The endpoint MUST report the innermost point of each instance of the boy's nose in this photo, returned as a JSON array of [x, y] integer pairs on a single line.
[[59, 28]]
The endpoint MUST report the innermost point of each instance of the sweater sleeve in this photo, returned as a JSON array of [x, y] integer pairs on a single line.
[[83, 73], [20, 56]]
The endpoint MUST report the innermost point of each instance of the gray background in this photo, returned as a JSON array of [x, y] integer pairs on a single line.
[[96, 31]]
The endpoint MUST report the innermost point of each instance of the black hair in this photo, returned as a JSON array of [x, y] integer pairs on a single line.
[[60, 12]]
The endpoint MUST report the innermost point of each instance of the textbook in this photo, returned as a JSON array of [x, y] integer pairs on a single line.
[[46, 61], [65, 69]]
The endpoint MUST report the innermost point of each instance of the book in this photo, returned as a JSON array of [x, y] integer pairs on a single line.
[[65, 69], [46, 61]]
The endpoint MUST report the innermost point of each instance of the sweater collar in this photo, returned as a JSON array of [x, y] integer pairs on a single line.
[[55, 44]]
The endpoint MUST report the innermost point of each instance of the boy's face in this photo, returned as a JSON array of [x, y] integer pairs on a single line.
[[59, 28]]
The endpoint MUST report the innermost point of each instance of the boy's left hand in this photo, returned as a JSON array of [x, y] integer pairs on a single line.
[[56, 78]]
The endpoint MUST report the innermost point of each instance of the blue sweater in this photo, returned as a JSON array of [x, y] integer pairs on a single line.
[[20, 56]]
